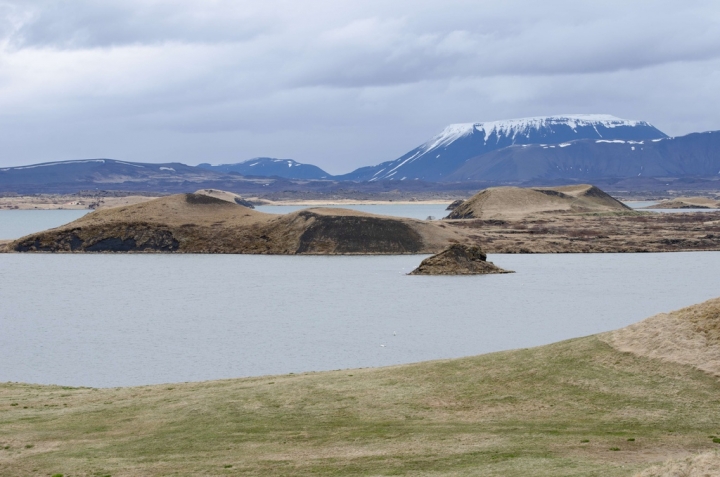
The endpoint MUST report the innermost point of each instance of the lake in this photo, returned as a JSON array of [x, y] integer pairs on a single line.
[[116, 320], [18, 223]]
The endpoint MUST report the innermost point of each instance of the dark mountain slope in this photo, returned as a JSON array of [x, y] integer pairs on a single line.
[[696, 154]]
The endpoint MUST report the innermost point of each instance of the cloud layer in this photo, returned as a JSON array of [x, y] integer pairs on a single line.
[[336, 83]]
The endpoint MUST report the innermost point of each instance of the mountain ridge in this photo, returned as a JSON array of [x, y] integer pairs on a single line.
[[693, 155]]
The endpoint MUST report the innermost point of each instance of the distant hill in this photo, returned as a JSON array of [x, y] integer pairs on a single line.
[[271, 167], [439, 157], [514, 202]]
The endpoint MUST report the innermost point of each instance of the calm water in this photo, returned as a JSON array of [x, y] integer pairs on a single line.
[[112, 320], [18, 223]]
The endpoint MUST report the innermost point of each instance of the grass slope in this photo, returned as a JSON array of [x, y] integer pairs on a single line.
[[555, 410]]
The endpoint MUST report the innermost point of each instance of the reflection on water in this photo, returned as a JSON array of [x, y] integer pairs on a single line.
[[111, 320]]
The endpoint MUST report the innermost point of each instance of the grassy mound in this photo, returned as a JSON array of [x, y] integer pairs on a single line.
[[688, 336], [516, 202]]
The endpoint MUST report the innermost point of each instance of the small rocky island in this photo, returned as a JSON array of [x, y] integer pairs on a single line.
[[458, 259]]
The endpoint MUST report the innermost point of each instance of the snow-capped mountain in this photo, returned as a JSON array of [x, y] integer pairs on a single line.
[[444, 153], [269, 166]]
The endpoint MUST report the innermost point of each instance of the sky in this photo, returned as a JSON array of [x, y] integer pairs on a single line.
[[339, 84]]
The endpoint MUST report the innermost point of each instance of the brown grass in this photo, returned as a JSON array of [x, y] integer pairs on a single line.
[[706, 464], [597, 233], [516, 202], [689, 336]]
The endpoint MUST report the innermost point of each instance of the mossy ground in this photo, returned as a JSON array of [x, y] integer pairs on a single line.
[[522, 412]]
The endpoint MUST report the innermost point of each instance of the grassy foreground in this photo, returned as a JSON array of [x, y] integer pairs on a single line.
[[577, 407]]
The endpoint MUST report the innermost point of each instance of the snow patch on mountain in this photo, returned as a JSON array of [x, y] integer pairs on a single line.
[[69, 163], [521, 127]]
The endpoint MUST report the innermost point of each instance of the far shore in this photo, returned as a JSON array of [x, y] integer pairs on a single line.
[[71, 202]]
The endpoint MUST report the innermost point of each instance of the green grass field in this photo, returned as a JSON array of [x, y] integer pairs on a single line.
[[578, 408]]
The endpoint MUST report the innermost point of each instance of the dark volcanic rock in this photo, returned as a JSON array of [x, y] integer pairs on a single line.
[[348, 234], [458, 260], [131, 237], [244, 203], [455, 204]]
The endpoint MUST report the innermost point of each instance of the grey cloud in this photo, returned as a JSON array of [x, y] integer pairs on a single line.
[[340, 84], [617, 39], [92, 24]]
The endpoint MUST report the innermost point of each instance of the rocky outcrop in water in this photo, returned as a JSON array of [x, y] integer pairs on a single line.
[[458, 260]]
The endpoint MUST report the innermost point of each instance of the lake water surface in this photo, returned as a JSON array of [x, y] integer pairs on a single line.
[[115, 320], [18, 223]]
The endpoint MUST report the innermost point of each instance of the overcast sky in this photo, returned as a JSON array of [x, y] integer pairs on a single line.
[[339, 84]]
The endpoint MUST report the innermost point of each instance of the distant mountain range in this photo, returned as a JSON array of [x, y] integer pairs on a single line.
[[553, 149], [111, 174], [271, 167], [93, 171]]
